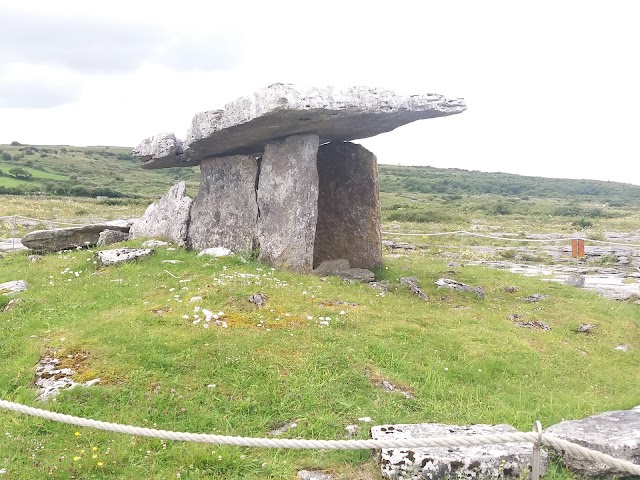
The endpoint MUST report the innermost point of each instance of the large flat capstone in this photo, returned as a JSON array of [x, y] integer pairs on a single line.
[[247, 124], [615, 433], [503, 460], [225, 212], [167, 218]]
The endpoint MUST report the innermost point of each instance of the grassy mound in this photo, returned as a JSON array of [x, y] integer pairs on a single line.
[[315, 355]]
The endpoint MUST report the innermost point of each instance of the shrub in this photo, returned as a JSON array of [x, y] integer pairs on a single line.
[[6, 156], [16, 144], [582, 223]]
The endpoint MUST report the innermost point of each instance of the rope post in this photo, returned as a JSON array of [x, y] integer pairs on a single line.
[[535, 456]]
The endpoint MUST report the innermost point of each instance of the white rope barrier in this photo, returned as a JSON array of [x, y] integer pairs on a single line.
[[40, 220], [461, 233], [448, 441]]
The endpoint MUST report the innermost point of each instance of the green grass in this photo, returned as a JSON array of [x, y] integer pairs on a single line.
[[462, 358]]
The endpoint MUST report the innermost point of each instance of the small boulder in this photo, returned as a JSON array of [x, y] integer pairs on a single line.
[[455, 285], [215, 252], [576, 280], [120, 255], [314, 475], [622, 348], [510, 289], [536, 297], [412, 284], [357, 275], [502, 460], [586, 328], [615, 433], [15, 286], [109, 237], [258, 299], [332, 267]]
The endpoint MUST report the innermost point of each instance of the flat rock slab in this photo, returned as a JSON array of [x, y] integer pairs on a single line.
[[504, 460], [121, 255], [109, 237], [615, 433], [168, 218], [71, 237], [245, 125], [11, 244], [15, 286]]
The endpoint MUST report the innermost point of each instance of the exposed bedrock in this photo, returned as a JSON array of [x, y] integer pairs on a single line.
[[247, 124], [348, 206], [288, 203], [225, 212]]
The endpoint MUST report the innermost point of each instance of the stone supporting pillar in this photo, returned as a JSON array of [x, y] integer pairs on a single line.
[[225, 212], [288, 203], [348, 206]]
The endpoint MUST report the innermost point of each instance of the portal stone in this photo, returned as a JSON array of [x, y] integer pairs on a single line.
[[168, 218], [225, 212], [348, 206], [288, 203]]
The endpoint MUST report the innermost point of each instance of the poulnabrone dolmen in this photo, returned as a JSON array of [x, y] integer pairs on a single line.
[[280, 177]]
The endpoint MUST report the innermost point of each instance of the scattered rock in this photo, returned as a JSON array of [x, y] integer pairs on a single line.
[[288, 203], [536, 297], [586, 328], [120, 255], [258, 299], [50, 378], [510, 289], [391, 245], [390, 387], [358, 275], [576, 280], [314, 475], [282, 428], [34, 258], [381, 287], [70, 238], [615, 433], [216, 252], [12, 287], [173, 262], [412, 284], [622, 348], [454, 265], [348, 223], [351, 430], [109, 237], [504, 460], [332, 267], [10, 305], [153, 243], [334, 303], [455, 285], [280, 110], [166, 218], [515, 316], [225, 212], [534, 325]]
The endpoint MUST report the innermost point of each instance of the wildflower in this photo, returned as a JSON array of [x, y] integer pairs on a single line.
[[99, 464], [77, 434], [94, 448], [94, 456], [75, 459]]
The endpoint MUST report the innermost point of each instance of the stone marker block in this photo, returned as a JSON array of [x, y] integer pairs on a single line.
[[348, 206], [288, 203], [225, 212]]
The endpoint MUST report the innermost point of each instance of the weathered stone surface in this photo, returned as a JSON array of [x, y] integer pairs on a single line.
[[455, 285], [348, 206], [357, 275], [225, 212], [215, 252], [615, 433], [288, 203], [576, 280], [168, 218], [332, 267], [109, 237], [504, 460], [15, 286], [412, 284], [11, 244], [71, 237], [314, 475], [245, 125], [120, 255], [154, 243]]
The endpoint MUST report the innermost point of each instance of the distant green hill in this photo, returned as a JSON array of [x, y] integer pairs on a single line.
[[453, 182], [84, 172]]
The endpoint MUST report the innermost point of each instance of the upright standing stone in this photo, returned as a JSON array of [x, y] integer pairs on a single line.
[[168, 218], [348, 206], [225, 212], [288, 203]]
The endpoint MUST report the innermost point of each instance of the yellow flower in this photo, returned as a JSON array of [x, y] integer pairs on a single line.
[[94, 448], [77, 434], [99, 464], [75, 459], [94, 456]]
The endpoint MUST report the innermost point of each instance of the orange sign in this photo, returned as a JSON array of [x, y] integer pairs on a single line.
[[577, 247]]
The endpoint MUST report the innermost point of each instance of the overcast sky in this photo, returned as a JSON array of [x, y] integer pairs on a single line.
[[552, 87]]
